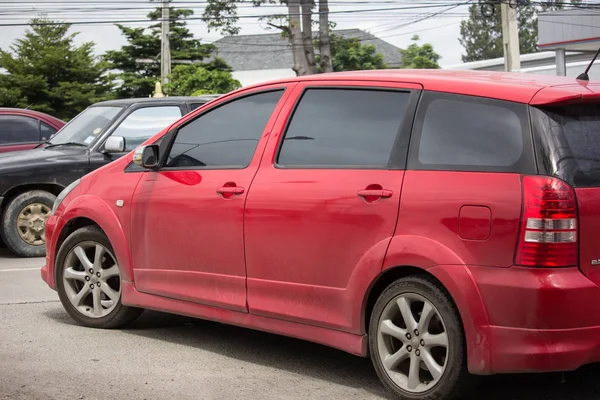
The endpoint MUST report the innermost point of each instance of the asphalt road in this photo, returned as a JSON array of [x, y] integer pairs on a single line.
[[44, 355]]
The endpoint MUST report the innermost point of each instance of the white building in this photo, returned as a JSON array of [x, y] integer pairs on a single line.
[[568, 40]]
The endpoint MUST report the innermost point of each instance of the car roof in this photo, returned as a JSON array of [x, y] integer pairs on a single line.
[[142, 100], [511, 86], [32, 113]]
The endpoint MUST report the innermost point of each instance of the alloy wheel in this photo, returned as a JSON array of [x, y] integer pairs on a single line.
[[92, 279], [412, 342]]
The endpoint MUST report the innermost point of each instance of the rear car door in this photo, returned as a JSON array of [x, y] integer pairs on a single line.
[[138, 125], [324, 203], [18, 132]]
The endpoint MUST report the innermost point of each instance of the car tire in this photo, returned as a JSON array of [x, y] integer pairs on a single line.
[[395, 346], [90, 290], [24, 221]]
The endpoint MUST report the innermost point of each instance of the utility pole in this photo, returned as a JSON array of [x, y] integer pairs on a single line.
[[510, 36], [165, 50]]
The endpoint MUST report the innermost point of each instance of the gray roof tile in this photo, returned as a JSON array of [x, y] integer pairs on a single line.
[[271, 51]]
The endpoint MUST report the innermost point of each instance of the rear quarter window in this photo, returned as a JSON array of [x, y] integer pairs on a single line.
[[467, 133]]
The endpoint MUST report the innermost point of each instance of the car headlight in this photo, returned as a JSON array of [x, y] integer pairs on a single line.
[[64, 194]]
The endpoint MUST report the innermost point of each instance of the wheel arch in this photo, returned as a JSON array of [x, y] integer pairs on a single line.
[[92, 210], [13, 192]]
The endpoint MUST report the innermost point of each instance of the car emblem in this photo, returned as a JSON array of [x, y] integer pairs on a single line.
[[595, 262]]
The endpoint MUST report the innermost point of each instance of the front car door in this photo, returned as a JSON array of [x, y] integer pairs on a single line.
[[324, 204], [138, 124], [187, 221]]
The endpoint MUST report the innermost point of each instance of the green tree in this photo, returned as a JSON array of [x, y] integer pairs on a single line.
[[349, 54], [48, 73], [481, 35], [138, 62], [418, 56], [196, 80]]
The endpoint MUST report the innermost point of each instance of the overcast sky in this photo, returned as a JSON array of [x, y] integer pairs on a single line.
[[435, 21]]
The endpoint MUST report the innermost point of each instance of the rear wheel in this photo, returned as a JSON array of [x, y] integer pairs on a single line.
[[89, 281], [416, 341], [24, 223]]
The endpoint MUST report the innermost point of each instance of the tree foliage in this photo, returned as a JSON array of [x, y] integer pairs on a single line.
[[196, 80], [349, 54], [48, 73], [481, 35], [138, 62], [418, 56]]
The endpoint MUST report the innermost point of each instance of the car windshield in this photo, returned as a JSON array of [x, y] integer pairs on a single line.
[[86, 127]]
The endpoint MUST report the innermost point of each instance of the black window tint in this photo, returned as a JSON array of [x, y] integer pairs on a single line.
[[470, 132], [193, 106], [344, 128], [569, 143], [226, 136], [18, 129], [47, 131]]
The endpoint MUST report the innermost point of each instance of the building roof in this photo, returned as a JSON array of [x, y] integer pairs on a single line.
[[180, 99], [512, 86], [271, 51]]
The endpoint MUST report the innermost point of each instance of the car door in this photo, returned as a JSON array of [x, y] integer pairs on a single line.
[[137, 125], [324, 205], [187, 222]]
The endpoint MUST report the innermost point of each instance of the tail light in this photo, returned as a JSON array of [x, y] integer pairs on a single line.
[[548, 236]]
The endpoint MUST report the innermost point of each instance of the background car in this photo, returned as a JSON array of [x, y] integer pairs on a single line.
[[31, 180], [22, 129]]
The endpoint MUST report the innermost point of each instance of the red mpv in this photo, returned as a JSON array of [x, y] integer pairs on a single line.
[[443, 223]]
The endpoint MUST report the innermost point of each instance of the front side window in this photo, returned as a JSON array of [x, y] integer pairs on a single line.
[[87, 126], [468, 133], [18, 129], [224, 137], [144, 123], [353, 128]]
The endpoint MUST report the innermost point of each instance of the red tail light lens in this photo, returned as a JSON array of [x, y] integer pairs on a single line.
[[548, 236]]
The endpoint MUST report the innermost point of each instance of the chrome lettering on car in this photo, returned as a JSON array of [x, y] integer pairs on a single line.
[[595, 262]]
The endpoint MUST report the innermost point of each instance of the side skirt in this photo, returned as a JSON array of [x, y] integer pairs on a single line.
[[350, 343]]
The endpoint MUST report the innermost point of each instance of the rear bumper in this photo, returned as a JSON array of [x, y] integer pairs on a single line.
[[540, 320]]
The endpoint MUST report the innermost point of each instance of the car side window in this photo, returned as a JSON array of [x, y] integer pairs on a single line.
[[455, 132], [144, 123], [226, 136], [344, 128], [46, 131], [18, 129]]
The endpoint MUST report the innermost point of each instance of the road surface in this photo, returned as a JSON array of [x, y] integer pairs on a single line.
[[44, 355]]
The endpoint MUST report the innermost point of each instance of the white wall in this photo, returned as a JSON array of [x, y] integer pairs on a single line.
[[247, 78]]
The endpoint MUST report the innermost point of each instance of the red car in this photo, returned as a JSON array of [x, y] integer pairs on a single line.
[[22, 129], [443, 223]]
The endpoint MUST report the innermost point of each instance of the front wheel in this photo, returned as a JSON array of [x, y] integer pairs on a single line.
[[89, 281], [416, 341], [24, 223]]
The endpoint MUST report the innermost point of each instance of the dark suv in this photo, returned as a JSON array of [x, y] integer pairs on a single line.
[[31, 180]]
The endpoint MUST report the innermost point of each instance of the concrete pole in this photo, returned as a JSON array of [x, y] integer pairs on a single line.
[[165, 50], [561, 62], [510, 36]]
